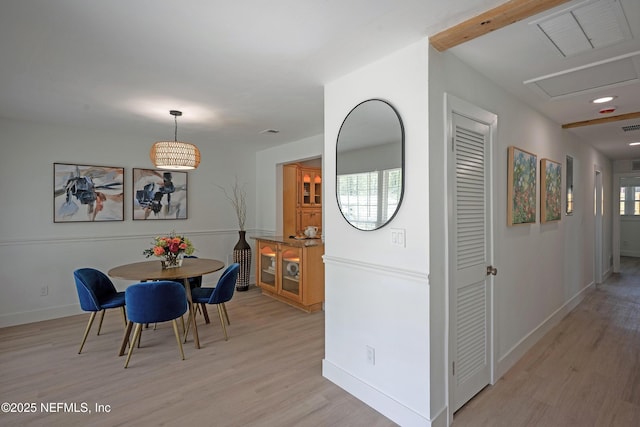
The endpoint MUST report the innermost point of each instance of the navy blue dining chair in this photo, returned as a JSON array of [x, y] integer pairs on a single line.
[[154, 302], [97, 294], [223, 292], [196, 282]]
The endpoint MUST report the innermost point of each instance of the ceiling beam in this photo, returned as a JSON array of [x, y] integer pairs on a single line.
[[602, 120], [491, 20]]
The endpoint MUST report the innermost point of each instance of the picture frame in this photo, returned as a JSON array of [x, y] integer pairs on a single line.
[[522, 186], [569, 186], [550, 191], [87, 193], [159, 194]]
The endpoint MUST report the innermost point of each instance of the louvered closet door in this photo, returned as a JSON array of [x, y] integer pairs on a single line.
[[470, 227]]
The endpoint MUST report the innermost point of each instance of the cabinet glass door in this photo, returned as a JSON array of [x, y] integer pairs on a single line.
[[267, 265], [290, 269], [317, 190], [310, 188], [306, 188]]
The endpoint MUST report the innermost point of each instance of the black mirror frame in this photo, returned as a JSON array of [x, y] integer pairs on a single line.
[[402, 163]]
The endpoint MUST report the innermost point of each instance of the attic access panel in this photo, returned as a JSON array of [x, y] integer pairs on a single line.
[[589, 25]]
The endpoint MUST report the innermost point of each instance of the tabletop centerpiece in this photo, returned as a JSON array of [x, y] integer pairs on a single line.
[[171, 249]]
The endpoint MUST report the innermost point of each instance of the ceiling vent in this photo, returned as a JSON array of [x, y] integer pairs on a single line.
[[631, 128], [586, 26], [635, 165]]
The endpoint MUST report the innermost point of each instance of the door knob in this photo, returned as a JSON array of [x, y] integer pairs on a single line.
[[491, 270]]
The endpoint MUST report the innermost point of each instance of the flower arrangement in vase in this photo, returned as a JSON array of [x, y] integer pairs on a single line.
[[171, 248]]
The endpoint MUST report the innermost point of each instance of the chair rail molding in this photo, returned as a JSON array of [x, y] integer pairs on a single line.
[[109, 238], [412, 275]]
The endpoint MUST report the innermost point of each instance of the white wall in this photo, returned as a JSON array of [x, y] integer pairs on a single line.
[[377, 294], [542, 268], [36, 252], [376, 158], [630, 232]]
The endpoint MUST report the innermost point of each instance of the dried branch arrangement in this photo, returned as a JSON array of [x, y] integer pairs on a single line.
[[238, 199]]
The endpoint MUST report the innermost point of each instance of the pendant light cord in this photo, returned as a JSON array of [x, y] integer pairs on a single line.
[[175, 135]]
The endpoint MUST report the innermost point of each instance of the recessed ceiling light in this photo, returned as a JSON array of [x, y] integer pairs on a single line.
[[634, 143], [603, 99]]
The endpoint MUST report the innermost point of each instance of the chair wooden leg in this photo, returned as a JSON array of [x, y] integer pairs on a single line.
[[186, 332], [136, 336], [125, 339], [175, 330], [101, 319], [205, 313], [87, 329], [224, 308], [124, 316], [222, 322]]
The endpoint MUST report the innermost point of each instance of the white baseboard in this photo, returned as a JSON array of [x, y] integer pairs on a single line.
[[379, 401], [517, 351], [13, 319]]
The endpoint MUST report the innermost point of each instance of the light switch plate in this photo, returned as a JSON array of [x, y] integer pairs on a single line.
[[398, 237]]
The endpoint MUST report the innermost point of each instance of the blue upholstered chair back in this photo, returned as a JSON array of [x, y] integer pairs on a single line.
[[226, 285], [93, 287], [151, 302]]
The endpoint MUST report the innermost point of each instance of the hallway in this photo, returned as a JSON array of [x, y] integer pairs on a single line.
[[584, 372]]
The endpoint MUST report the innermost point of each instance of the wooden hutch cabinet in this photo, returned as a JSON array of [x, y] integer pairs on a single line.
[[302, 199], [291, 271]]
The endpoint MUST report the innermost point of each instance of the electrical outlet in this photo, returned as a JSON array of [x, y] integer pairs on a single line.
[[371, 355], [44, 291]]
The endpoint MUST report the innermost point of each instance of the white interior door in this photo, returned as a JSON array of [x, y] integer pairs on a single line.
[[470, 228]]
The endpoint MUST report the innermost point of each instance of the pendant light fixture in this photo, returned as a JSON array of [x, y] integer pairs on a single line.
[[175, 155]]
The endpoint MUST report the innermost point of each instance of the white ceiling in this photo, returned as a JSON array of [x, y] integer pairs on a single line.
[[238, 68], [520, 53]]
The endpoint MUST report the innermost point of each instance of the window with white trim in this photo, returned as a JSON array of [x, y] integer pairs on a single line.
[[359, 193], [630, 200]]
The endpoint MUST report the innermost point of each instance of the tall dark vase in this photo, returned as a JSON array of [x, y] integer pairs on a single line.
[[242, 255]]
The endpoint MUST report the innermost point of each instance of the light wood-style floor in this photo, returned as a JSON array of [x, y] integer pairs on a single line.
[[268, 373], [585, 372]]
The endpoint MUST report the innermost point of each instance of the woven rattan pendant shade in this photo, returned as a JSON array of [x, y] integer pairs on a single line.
[[175, 155]]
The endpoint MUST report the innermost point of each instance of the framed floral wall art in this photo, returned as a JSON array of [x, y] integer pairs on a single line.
[[159, 194], [87, 193], [521, 188], [550, 190]]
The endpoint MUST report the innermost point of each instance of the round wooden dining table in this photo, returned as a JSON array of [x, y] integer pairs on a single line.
[[152, 270]]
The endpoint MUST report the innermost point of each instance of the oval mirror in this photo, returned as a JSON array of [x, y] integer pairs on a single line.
[[369, 165]]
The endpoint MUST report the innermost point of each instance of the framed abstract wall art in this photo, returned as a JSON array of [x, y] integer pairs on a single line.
[[87, 193], [550, 190], [159, 194], [521, 188]]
